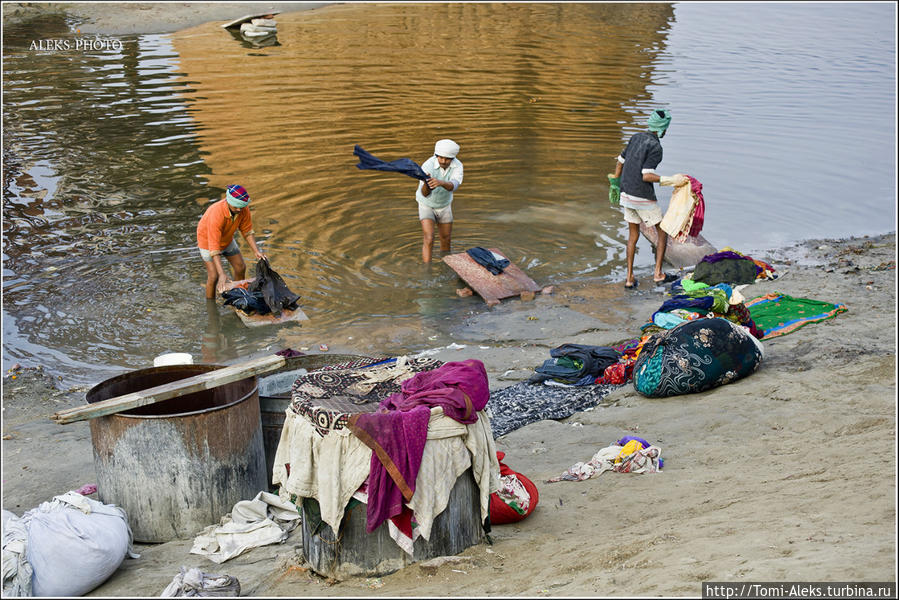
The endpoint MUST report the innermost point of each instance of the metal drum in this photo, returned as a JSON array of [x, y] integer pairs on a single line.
[[178, 465], [274, 394]]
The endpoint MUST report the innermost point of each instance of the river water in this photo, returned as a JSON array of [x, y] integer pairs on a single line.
[[785, 112]]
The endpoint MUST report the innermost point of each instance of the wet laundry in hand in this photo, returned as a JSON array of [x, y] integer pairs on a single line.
[[266, 294], [275, 293]]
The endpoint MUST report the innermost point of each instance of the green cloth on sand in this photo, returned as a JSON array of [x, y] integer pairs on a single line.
[[779, 314]]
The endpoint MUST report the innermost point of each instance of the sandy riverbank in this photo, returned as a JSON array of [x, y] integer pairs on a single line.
[[787, 475]]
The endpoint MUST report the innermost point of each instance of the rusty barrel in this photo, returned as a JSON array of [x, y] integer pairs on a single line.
[[179, 465]]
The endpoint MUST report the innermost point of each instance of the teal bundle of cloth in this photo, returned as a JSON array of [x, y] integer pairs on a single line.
[[696, 356]]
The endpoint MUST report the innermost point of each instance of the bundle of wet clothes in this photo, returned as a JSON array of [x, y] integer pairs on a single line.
[[575, 364], [267, 293], [493, 262]]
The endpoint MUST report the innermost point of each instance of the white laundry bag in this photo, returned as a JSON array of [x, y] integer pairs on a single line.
[[75, 544]]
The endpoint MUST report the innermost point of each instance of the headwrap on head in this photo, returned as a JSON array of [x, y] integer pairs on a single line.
[[447, 148], [659, 120], [237, 196]]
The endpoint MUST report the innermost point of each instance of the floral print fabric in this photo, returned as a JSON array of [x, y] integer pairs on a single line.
[[696, 356]]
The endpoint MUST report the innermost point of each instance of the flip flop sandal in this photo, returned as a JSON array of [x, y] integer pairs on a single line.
[[668, 279], [633, 286]]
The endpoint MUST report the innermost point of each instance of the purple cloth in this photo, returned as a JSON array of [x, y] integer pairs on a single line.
[[398, 441], [446, 387], [397, 432], [628, 438]]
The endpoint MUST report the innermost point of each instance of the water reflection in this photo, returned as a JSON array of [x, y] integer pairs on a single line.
[[532, 92], [110, 158]]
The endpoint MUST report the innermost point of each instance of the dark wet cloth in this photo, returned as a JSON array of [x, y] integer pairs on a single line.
[[523, 403], [695, 356], [248, 302], [406, 166], [735, 271], [705, 303], [275, 293], [592, 360], [485, 258]]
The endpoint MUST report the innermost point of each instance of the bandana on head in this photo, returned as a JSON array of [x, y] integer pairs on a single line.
[[659, 120], [447, 148], [237, 196]]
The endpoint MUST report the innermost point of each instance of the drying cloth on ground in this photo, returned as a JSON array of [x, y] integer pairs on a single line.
[[406, 166], [489, 260], [644, 460], [766, 271], [779, 314], [396, 432], [726, 270], [523, 403], [703, 303], [274, 291], [680, 216], [696, 356], [266, 519], [593, 361], [194, 582]]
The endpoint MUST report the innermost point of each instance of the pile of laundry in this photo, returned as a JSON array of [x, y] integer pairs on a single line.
[[266, 293], [706, 334]]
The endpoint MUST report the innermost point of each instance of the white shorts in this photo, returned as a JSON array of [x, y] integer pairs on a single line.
[[438, 215], [650, 216]]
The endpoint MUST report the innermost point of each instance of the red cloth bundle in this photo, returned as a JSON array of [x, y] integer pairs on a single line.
[[500, 512]]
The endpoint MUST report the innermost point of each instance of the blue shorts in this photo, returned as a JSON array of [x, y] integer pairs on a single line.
[[231, 250]]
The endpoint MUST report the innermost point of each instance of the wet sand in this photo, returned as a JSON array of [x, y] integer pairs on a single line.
[[786, 475]]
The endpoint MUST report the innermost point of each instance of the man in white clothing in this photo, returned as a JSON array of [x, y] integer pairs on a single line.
[[435, 196]]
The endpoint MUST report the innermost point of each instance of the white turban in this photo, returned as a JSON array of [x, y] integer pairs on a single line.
[[447, 148]]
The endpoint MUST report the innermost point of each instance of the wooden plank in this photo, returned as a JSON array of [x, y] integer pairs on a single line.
[[680, 254], [269, 319], [492, 288], [245, 18], [181, 387]]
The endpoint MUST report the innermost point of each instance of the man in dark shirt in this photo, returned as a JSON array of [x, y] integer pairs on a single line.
[[636, 167]]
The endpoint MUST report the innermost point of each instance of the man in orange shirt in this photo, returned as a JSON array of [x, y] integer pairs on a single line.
[[215, 236]]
